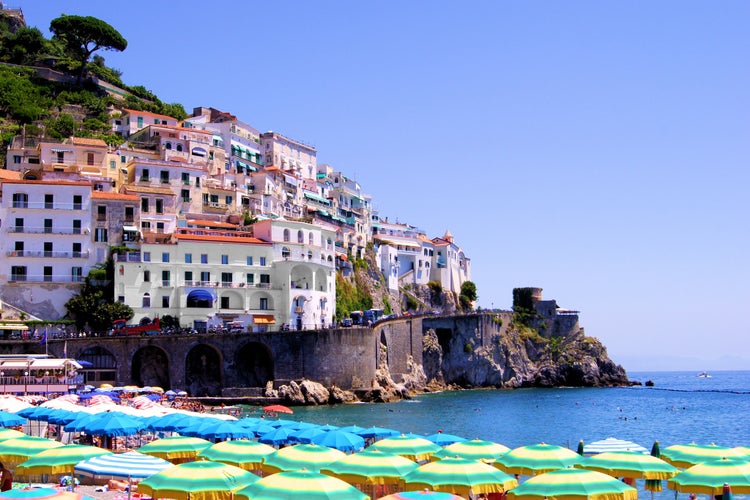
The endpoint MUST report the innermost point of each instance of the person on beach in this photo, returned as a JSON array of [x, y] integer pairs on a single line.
[[6, 478]]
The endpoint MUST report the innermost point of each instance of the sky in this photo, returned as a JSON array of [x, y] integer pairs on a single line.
[[597, 150]]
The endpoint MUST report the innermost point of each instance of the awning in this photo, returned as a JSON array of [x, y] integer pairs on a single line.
[[60, 150], [264, 319], [54, 364], [218, 138], [290, 180], [200, 295], [13, 326], [313, 196], [132, 229], [199, 151], [323, 213]]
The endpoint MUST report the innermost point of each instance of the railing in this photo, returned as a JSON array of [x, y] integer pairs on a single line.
[[44, 278], [46, 230], [47, 206], [128, 257], [46, 254], [225, 284]]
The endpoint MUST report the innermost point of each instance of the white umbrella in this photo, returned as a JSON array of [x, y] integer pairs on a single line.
[[612, 444], [121, 466]]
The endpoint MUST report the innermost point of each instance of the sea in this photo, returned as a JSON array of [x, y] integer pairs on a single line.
[[679, 408]]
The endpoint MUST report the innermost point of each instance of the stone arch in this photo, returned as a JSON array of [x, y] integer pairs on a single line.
[[254, 365], [383, 352], [150, 366], [203, 371], [103, 368]]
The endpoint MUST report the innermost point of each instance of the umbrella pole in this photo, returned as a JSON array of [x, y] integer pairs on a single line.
[[130, 487]]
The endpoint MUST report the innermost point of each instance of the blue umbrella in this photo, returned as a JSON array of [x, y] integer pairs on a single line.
[[341, 440], [192, 425], [276, 437], [260, 428], [225, 430], [444, 439], [62, 417], [172, 422], [306, 436], [377, 433], [80, 422], [114, 424], [354, 429], [28, 412], [8, 419]]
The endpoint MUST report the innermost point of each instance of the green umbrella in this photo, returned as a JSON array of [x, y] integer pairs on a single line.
[[654, 484], [17, 450], [175, 447], [573, 484], [10, 434], [197, 481], [476, 449], [460, 476], [537, 459], [709, 477], [370, 467], [301, 456], [629, 464], [300, 484], [241, 453], [60, 460], [580, 448], [411, 447], [687, 455]]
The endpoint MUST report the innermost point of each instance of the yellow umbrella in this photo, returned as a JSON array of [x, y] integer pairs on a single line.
[[17, 450]]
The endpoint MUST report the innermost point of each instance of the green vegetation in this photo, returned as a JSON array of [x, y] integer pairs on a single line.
[[555, 347], [387, 307], [468, 295], [350, 296], [411, 303], [468, 348], [527, 333], [523, 306]]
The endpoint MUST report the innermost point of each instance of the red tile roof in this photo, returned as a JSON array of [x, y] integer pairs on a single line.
[[243, 240], [101, 195]]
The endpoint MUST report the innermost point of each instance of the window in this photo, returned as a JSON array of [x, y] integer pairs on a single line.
[[129, 214], [146, 256], [164, 175], [265, 279], [226, 279], [188, 258], [188, 276], [47, 273], [204, 258], [49, 201], [225, 303], [77, 250], [250, 278], [165, 301], [186, 178], [185, 195], [146, 226], [262, 261], [89, 158], [100, 235], [159, 206], [160, 227], [112, 164], [285, 253], [47, 248], [140, 122], [310, 239], [146, 303], [165, 257], [18, 273], [228, 200], [205, 276], [144, 205], [76, 274], [179, 147], [146, 276], [20, 200], [300, 237], [165, 278], [225, 259], [47, 225], [121, 298], [77, 202], [263, 304], [287, 237], [101, 212], [145, 175], [249, 260], [16, 159], [77, 226]]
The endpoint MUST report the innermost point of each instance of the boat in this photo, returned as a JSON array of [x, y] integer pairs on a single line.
[[703, 375]]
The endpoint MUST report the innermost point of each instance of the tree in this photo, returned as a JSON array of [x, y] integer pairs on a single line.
[[468, 294], [24, 46], [84, 35]]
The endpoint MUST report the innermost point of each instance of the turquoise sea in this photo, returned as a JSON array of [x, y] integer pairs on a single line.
[[680, 408]]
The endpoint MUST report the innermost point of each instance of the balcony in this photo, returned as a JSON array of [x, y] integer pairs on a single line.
[[44, 278], [48, 255], [43, 205], [46, 230]]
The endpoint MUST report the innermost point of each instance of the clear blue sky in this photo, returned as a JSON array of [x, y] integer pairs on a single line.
[[598, 150]]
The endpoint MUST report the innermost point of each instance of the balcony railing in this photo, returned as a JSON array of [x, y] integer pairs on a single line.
[[43, 205], [48, 254], [46, 230], [44, 278]]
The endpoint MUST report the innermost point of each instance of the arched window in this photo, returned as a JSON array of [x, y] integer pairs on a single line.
[[310, 239], [330, 259], [146, 300], [168, 145], [287, 236], [300, 237], [179, 147], [286, 253], [309, 255]]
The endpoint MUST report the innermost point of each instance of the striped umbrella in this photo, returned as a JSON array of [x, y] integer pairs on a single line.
[[370, 467], [422, 495], [17, 450], [629, 464], [573, 484], [245, 454], [460, 476], [43, 494], [476, 449], [59, 460], [537, 459], [612, 444], [709, 477], [8, 419], [10, 434], [300, 484], [121, 466], [175, 447], [687, 455], [300, 456], [197, 481], [412, 447]]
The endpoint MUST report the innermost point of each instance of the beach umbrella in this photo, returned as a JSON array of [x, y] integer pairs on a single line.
[[537, 459], [8, 419], [43, 494], [197, 481], [300, 484], [612, 444], [422, 495], [171, 422], [581, 447], [370, 467], [222, 429], [306, 436], [460, 476], [62, 417], [277, 409], [573, 484], [340, 440], [80, 422], [376, 432], [277, 437], [476, 449], [442, 439], [629, 464], [12, 404], [355, 429], [17, 450], [411, 447], [300, 456], [175, 447], [10, 434], [726, 492], [60, 460], [113, 424], [687, 455], [245, 454], [709, 477], [259, 428], [654, 484], [121, 466]]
